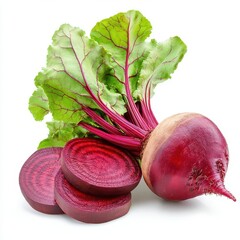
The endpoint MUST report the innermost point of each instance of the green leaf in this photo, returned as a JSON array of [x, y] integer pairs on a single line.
[[98, 80], [123, 36], [38, 104], [60, 133], [39, 79], [74, 76], [161, 62]]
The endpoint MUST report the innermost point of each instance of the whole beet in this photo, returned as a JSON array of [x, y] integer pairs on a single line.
[[186, 156]]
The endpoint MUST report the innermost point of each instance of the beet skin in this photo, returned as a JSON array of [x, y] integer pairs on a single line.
[[186, 156]]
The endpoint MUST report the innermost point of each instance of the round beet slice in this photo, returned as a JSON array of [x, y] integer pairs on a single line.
[[99, 168], [88, 208], [36, 179]]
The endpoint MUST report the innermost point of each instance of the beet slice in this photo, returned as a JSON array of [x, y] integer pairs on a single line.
[[36, 179], [88, 208], [99, 168]]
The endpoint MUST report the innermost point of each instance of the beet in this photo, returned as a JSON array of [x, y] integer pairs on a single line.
[[88, 208], [99, 168], [186, 156], [37, 177]]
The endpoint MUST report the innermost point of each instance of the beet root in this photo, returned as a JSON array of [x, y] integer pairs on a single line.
[[36, 179], [186, 156], [99, 168], [88, 208]]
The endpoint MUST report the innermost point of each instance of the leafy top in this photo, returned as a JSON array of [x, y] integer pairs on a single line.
[[104, 83]]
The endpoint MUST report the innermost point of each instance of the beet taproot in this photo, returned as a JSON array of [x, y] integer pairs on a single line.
[[36, 179], [88, 208], [186, 156], [96, 167]]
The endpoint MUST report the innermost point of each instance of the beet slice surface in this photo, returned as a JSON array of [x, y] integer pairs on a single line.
[[88, 208], [37, 177], [96, 167]]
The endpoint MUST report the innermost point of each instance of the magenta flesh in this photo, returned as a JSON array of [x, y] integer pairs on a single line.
[[88, 208], [190, 158], [99, 168], [37, 178]]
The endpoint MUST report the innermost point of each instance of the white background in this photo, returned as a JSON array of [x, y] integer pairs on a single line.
[[207, 81]]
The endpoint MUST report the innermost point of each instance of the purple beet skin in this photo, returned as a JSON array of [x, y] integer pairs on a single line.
[[186, 156]]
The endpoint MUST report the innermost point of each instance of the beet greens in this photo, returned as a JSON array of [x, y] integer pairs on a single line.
[[103, 84]]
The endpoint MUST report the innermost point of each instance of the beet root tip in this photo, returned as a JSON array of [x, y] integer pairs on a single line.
[[221, 190]]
